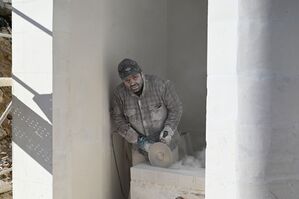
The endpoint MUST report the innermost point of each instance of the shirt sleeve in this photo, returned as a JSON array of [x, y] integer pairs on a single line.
[[173, 105], [122, 126]]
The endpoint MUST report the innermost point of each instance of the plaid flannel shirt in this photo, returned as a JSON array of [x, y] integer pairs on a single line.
[[158, 106]]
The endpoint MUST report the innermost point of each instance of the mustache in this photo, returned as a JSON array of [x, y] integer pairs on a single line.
[[134, 85]]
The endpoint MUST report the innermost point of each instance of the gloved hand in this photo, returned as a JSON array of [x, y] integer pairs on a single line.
[[143, 143], [166, 135]]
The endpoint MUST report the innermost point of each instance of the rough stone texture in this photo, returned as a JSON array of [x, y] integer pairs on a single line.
[[5, 57], [5, 143], [7, 195], [5, 128], [5, 8], [149, 182]]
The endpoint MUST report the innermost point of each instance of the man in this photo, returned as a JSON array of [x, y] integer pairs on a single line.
[[145, 110]]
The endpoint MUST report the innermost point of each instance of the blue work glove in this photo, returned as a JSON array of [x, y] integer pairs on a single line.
[[143, 143], [166, 135]]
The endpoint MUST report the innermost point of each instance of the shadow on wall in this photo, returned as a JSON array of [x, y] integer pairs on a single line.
[[44, 101], [33, 22], [31, 132]]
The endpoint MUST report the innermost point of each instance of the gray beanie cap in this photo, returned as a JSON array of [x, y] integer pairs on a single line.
[[128, 67]]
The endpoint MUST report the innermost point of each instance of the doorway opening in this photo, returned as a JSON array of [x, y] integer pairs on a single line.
[[168, 39]]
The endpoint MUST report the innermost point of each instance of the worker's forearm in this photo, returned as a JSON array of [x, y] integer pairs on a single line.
[[128, 133]]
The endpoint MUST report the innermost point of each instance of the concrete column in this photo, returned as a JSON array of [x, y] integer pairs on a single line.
[[32, 99], [252, 113], [221, 99]]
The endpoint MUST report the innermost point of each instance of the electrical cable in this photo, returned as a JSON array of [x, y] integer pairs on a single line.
[[117, 168]]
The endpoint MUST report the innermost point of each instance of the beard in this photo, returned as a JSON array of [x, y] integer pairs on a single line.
[[135, 88]]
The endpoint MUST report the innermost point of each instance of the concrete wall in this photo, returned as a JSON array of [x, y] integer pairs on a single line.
[[32, 100], [137, 30], [86, 54], [268, 96], [253, 69], [186, 62]]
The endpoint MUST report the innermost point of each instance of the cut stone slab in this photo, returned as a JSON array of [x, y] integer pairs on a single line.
[[148, 182]]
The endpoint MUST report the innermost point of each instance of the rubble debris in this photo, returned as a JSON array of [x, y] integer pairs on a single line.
[[5, 10], [5, 57], [5, 99], [5, 186]]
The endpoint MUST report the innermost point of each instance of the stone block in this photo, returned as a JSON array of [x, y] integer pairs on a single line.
[[149, 182]]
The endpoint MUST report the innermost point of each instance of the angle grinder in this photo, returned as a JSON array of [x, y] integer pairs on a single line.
[[162, 155]]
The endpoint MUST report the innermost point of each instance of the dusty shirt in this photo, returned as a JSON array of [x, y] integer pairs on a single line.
[[158, 106]]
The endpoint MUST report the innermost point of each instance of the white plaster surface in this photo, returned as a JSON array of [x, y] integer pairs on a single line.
[[268, 100], [32, 89], [30, 180], [222, 101], [154, 182], [252, 107]]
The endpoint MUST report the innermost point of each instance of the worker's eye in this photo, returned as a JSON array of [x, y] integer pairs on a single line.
[[135, 77]]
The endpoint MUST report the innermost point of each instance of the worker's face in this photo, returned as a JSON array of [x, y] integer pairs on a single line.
[[134, 82]]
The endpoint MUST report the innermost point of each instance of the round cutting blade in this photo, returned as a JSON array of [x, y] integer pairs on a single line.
[[160, 155]]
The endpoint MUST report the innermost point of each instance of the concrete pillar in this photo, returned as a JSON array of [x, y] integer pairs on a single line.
[[252, 112], [221, 99], [32, 99]]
